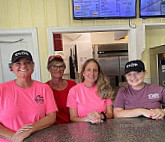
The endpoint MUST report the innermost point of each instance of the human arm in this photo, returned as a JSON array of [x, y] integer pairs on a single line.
[[109, 112], [74, 116], [93, 117], [120, 112], [157, 113], [28, 129], [99, 117], [5, 133]]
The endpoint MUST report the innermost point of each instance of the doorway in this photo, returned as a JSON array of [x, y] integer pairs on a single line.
[[157, 65], [13, 40], [132, 51], [76, 31]]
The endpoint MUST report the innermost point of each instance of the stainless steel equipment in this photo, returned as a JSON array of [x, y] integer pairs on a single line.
[[161, 69], [112, 58]]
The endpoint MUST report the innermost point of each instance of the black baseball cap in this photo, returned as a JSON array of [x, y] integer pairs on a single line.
[[21, 54], [134, 65]]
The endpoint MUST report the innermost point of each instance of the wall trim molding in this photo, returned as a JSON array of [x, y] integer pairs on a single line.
[[33, 33], [131, 35]]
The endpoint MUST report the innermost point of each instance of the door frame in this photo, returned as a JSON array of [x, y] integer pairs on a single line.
[[33, 33], [132, 51]]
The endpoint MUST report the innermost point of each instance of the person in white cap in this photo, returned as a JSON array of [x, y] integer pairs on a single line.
[[139, 98], [26, 105]]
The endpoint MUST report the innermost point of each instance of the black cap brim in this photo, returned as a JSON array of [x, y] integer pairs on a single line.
[[16, 59], [131, 69]]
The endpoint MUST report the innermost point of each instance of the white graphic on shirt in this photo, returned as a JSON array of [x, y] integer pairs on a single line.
[[153, 96]]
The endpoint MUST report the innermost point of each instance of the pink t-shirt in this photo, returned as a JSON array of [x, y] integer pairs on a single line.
[[86, 100], [19, 106]]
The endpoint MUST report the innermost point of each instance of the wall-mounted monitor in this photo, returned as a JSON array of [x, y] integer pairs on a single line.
[[104, 9], [152, 8]]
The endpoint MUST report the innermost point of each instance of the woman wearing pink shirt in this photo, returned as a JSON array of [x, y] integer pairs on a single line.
[[89, 100], [26, 105]]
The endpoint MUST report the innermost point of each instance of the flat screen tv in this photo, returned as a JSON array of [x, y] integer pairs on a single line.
[[102, 9], [152, 8]]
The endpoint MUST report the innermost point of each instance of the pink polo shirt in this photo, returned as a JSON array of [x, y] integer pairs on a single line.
[[86, 100]]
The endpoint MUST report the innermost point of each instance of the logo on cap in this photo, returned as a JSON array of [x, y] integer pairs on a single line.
[[22, 53], [135, 65], [132, 65]]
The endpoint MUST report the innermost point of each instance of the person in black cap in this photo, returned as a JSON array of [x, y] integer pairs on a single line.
[[139, 98], [26, 105]]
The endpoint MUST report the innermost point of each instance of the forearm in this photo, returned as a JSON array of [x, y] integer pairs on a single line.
[[157, 113], [128, 113], [78, 119], [109, 115], [5, 133], [26, 130], [74, 117], [109, 112], [45, 122]]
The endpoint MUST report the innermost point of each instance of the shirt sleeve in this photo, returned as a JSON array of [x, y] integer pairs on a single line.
[[108, 102], [50, 102], [119, 100], [71, 100]]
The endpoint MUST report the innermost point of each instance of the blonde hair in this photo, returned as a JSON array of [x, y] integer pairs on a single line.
[[104, 88]]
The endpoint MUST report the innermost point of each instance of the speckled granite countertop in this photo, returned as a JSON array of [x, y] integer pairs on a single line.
[[114, 130]]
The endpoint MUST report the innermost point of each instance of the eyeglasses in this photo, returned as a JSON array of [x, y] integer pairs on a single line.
[[57, 67]]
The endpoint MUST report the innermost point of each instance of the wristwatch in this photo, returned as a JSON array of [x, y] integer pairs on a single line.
[[105, 117]]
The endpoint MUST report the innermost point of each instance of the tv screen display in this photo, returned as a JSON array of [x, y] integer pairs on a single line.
[[93, 9], [152, 8]]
